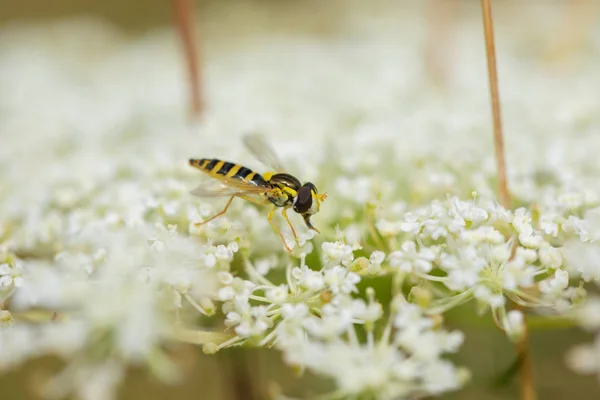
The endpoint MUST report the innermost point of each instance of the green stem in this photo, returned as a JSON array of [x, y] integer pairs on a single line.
[[452, 302]]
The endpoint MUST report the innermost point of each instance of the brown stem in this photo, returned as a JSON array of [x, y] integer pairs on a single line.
[[522, 346], [185, 27], [242, 385], [527, 386], [490, 49]]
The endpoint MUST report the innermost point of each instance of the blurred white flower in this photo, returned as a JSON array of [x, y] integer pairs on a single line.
[[514, 324], [407, 365], [588, 315], [582, 259], [11, 275], [99, 231], [585, 358]]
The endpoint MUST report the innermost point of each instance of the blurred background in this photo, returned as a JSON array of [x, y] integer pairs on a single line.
[[437, 39]]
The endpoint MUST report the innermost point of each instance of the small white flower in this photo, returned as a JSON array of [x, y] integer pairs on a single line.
[[410, 315], [303, 246], [582, 258], [375, 261], [227, 293], [377, 257], [233, 318], [277, 295], [548, 224], [337, 253], [290, 329], [11, 275], [497, 213], [581, 228], [440, 376], [6, 319], [264, 265], [463, 278], [522, 222], [556, 284], [330, 326], [353, 235], [527, 255], [517, 273], [209, 260], [238, 289], [225, 278], [410, 223], [485, 295], [181, 280], [501, 253], [468, 211], [531, 241], [439, 222], [550, 257], [339, 280], [249, 321], [233, 247], [223, 253], [294, 311], [308, 279], [483, 234], [370, 312], [390, 228], [409, 259]]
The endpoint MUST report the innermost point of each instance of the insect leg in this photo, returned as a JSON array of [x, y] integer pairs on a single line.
[[270, 219], [284, 213], [309, 224], [223, 211], [254, 200]]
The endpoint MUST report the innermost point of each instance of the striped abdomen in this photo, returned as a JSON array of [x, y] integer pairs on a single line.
[[217, 168]]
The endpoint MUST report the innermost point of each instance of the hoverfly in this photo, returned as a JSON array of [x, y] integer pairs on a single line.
[[277, 187]]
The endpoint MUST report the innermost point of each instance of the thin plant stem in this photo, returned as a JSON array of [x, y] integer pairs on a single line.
[[185, 27], [527, 388], [524, 352], [490, 49]]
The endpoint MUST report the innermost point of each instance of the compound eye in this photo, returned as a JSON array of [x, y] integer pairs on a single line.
[[303, 200]]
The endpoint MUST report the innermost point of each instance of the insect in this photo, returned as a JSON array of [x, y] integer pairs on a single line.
[[278, 188]]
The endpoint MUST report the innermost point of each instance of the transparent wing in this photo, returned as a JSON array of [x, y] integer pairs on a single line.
[[228, 187], [213, 189], [258, 145]]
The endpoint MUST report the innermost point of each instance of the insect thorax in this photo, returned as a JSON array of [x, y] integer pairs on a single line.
[[279, 197], [285, 189]]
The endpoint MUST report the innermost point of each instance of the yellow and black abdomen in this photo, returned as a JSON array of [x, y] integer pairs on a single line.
[[219, 168]]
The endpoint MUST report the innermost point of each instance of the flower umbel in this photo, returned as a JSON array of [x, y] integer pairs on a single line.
[[103, 266]]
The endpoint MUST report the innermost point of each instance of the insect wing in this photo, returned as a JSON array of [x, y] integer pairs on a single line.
[[228, 187], [213, 188], [263, 151]]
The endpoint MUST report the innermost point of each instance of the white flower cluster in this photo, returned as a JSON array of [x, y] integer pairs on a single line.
[[112, 305], [314, 319], [101, 261], [487, 253], [406, 361]]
